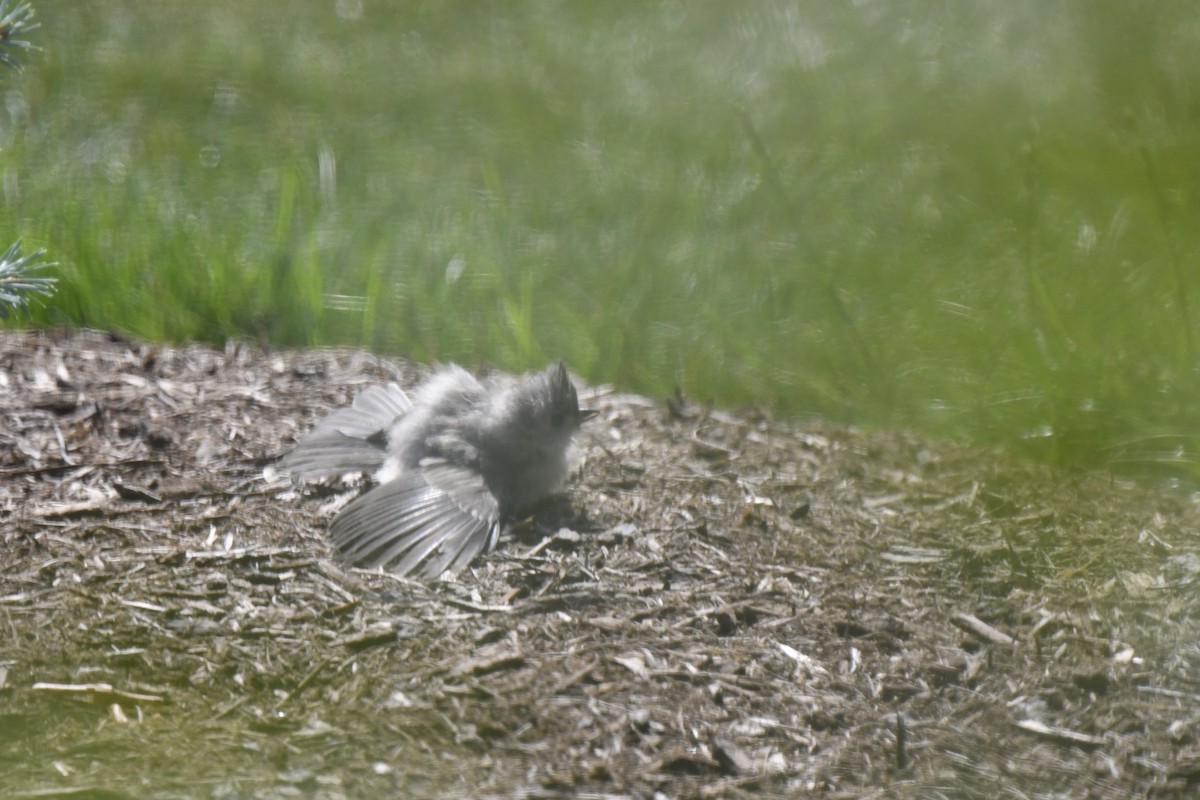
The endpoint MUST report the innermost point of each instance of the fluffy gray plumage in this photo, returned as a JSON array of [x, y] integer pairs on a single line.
[[452, 464]]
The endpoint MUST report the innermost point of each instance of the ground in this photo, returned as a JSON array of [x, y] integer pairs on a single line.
[[721, 605]]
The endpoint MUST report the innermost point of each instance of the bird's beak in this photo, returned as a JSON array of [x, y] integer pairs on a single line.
[[586, 413]]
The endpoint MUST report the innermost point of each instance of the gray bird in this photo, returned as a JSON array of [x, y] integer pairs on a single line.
[[453, 463]]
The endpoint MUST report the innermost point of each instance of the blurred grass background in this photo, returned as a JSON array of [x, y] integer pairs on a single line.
[[977, 220]]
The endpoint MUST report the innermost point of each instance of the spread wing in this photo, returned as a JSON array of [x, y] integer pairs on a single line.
[[352, 439], [429, 520]]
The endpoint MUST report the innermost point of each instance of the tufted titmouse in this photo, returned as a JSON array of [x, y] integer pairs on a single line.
[[452, 464]]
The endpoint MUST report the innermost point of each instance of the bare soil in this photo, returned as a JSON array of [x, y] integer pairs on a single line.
[[721, 606]]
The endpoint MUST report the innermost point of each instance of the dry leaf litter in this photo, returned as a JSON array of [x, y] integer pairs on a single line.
[[720, 606]]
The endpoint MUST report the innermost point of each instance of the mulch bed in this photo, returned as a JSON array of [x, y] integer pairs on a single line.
[[722, 605]]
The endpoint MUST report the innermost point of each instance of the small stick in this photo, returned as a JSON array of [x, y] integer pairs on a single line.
[[307, 679], [973, 624], [1060, 735], [103, 691], [574, 678]]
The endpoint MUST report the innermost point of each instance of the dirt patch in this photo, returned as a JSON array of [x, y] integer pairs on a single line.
[[722, 606]]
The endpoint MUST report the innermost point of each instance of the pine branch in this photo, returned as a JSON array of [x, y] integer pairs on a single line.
[[15, 20], [19, 278], [19, 275]]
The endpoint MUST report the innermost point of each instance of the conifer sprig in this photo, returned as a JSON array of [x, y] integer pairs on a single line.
[[15, 21], [19, 278]]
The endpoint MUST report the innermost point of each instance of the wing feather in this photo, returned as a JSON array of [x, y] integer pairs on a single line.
[[431, 520], [352, 439]]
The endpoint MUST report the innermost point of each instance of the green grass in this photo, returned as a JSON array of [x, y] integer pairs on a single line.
[[978, 220]]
